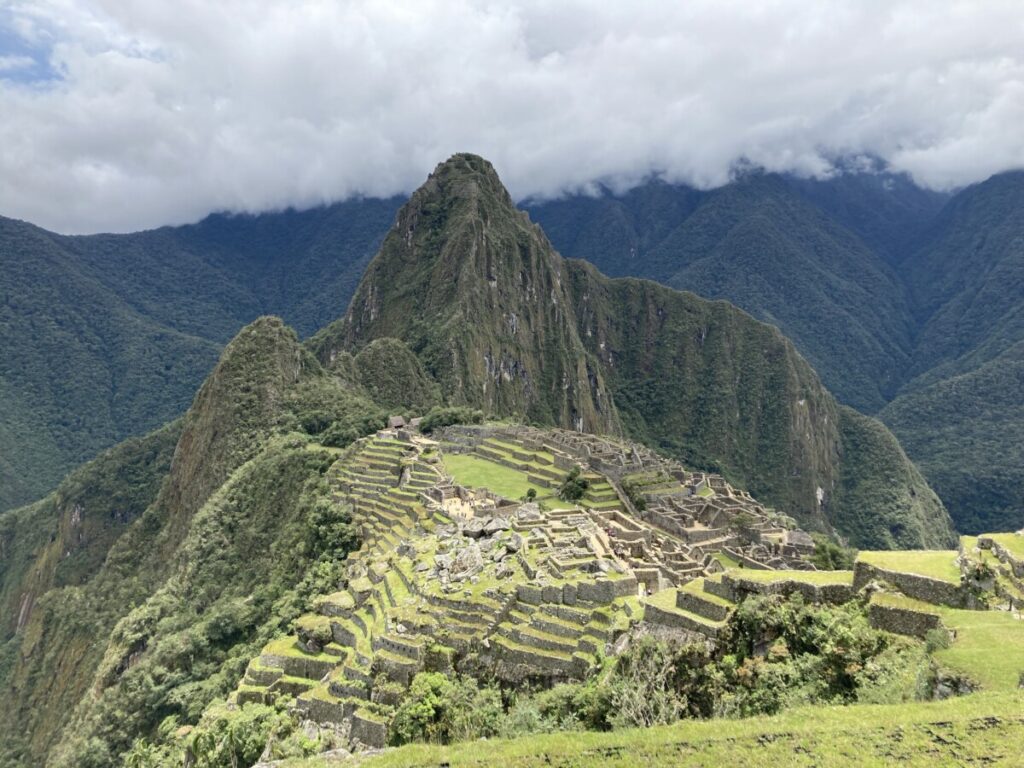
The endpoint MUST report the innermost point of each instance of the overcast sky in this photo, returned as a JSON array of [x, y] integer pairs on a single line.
[[124, 114]]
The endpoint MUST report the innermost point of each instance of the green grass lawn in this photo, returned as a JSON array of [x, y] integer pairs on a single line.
[[808, 577], [726, 561], [934, 563], [979, 729], [989, 647], [476, 472]]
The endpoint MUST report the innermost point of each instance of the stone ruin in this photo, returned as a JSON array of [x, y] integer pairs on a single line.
[[455, 579]]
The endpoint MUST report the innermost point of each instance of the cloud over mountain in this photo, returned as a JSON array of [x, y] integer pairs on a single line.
[[127, 114]]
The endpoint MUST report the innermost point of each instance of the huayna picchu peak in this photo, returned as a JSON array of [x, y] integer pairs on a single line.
[[501, 494], [505, 324]]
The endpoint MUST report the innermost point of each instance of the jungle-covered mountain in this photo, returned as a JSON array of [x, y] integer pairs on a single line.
[[139, 591], [109, 335], [506, 325], [907, 302]]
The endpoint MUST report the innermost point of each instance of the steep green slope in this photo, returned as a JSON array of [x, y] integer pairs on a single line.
[[811, 256], [264, 386], [966, 432], [108, 336], [472, 288], [507, 325], [890, 295], [80, 368], [966, 280], [960, 416], [761, 247]]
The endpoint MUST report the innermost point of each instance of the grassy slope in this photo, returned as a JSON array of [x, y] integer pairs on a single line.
[[981, 728]]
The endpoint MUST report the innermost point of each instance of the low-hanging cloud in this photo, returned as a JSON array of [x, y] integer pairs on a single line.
[[122, 114]]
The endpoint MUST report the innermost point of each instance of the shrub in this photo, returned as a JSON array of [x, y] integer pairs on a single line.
[[634, 493], [830, 556], [441, 710], [439, 416], [574, 486]]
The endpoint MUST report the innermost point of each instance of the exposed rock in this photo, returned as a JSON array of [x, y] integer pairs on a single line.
[[468, 562], [496, 524]]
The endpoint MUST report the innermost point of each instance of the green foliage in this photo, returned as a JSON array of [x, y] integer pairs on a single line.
[[440, 416], [255, 558], [394, 378], [877, 475], [441, 710], [109, 336], [830, 556], [826, 654], [892, 298], [574, 486], [634, 492]]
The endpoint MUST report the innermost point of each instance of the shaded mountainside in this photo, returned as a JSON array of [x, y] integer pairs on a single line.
[[908, 303], [200, 529], [760, 244], [507, 325], [108, 336]]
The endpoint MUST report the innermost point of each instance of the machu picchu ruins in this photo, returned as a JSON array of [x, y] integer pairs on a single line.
[[529, 588]]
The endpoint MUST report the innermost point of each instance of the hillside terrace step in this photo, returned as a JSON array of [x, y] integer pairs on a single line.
[[694, 599], [291, 686], [287, 655], [544, 661], [531, 636], [410, 647], [661, 609], [552, 625]]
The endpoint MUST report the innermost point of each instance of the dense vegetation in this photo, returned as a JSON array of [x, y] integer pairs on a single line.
[[151, 580], [109, 336], [778, 654], [907, 305]]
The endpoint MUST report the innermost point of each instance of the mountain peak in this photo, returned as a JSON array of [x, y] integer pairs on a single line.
[[473, 287], [462, 178]]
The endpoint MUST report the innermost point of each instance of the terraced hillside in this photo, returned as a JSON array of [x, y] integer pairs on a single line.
[[453, 576], [967, 600]]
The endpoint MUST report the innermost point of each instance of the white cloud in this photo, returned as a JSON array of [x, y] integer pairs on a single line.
[[14, 63], [165, 111]]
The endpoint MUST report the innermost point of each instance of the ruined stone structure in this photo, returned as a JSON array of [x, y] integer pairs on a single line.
[[452, 578]]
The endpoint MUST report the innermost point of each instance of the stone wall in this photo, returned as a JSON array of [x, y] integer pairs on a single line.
[[812, 593], [902, 621], [922, 588]]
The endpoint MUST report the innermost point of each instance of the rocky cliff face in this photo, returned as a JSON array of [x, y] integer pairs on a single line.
[[478, 293], [507, 325]]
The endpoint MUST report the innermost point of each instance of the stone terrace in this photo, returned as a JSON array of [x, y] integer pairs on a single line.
[[452, 577]]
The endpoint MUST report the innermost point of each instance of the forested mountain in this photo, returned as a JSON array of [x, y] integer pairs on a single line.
[[908, 303], [506, 325], [138, 593], [894, 294], [108, 336]]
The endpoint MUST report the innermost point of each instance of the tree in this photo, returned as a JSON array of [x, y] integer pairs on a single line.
[[574, 486]]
